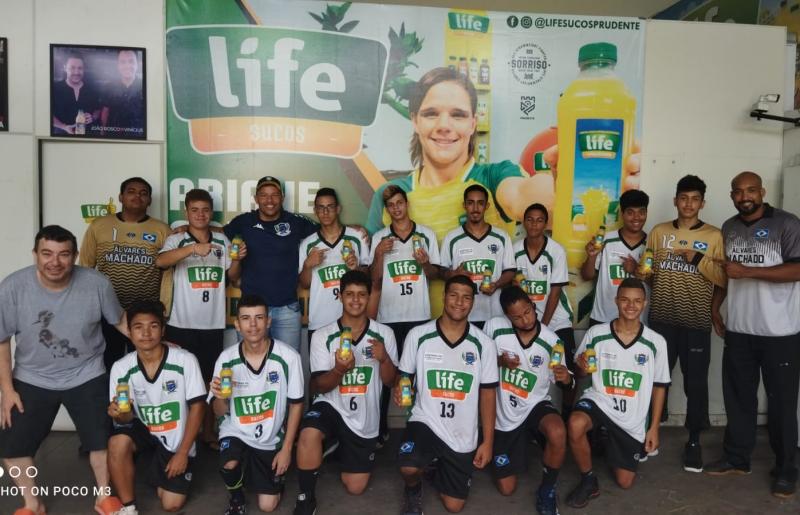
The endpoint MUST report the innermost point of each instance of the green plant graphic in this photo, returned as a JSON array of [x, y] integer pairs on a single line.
[[398, 87], [333, 16]]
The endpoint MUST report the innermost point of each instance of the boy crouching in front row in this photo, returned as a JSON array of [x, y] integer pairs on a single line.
[[157, 404]]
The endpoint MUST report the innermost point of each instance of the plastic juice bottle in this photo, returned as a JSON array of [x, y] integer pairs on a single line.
[[80, 122], [600, 237], [345, 342], [405, 391], [474, 70], [484, 72], [487, 278], [226, 382], [591, 361], [236, 243], [596, 119], [123, 397], [347, 249], [646, 262], [557, 355], [416, 243]]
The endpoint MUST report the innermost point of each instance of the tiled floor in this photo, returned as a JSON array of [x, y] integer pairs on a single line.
[[661, 487]]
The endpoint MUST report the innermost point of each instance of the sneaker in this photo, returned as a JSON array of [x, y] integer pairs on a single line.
[[127, 510], [329, 449], [692, 457], [412, 501], [586, 490], [645, 455], [110, 505], [783, 488], [547, 501], [236, 508], [723, 468], [305, 505]]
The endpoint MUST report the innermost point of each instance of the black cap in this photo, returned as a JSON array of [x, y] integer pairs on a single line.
[[269, 180]]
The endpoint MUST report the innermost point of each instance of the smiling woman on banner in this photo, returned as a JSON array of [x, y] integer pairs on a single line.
[[443, 112]]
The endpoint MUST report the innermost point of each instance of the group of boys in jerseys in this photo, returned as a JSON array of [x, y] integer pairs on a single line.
[[464, 379]]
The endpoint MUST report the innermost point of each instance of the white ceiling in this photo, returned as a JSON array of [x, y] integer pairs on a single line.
[[640, 8]]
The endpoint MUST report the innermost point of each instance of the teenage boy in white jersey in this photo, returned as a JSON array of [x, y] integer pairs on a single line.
[[348, 389], [201, 259], [454, 365], [631, 378], [403, 256], [543, 263], [476, 246], [325, 256], [524, 350], [618, 257], [166, 393], [267, 390]]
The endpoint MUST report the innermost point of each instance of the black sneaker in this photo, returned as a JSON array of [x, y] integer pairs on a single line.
[[547, 501], [305, 505], [586, 490], [723, 468], [412, 501], [783, 487], [692, 457], [236, 508]]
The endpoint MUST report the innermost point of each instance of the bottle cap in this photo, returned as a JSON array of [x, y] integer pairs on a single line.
[[597, 52]]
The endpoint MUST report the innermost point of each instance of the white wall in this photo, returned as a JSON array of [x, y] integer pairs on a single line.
[[700, 80]]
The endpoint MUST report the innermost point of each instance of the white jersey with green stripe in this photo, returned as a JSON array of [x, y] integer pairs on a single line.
[[448, 379], [404, 287], [522, 388], [357, 397], [610, 274], [492, 251], [542, 272], [623, 384], [162, 403], [324, 305], [198, 290], [260, 399]]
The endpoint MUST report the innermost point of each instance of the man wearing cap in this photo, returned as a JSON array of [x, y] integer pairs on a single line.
[[272, 236]]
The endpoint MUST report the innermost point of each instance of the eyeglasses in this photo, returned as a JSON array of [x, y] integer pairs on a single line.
[[330, 208]]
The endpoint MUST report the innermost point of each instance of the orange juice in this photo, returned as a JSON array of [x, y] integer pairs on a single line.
[[596, 119]]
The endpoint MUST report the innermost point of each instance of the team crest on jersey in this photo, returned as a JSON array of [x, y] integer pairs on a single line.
[[283, 229], [641, 359], [536, 361], [501, 460], [762, 233], [494, 248], [149, 237], [367, 352], [468, 357], [543, 268], [273, 377], [700, 245], [683, 243], [131, 235], [217, 252], [171, 386]]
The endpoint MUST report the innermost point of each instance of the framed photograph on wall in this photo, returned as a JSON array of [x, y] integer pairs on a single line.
[[98, 92], [4, 84]]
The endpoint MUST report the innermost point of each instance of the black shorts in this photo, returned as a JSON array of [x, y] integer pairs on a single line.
[[86, 404], [259, 477], [153, 457], [420, 446], [623, 451], [355, 454], [205, 344], [510, 451]]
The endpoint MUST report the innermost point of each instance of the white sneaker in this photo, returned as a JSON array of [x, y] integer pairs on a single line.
[[127, 510]]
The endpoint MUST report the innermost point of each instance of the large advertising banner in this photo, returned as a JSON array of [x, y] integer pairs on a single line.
[[318, 94]]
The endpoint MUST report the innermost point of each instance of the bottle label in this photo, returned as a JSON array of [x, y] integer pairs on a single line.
[[598, 169]]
